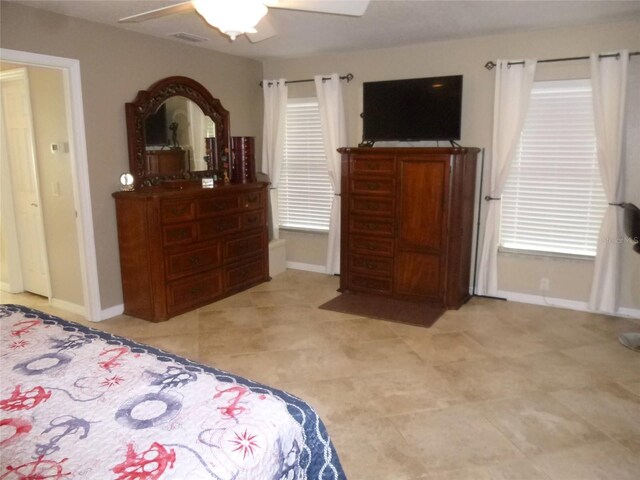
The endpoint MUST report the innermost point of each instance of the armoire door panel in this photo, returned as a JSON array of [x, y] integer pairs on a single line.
[[418, 275], [422, 202]]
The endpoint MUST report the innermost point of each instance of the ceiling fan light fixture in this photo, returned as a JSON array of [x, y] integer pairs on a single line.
[[233, 17]]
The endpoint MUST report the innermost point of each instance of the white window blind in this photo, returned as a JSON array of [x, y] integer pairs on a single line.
[[553, 200], [304, 191]]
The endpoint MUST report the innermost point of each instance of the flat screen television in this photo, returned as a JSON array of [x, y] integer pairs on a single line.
[[155, 127], [412, 109]]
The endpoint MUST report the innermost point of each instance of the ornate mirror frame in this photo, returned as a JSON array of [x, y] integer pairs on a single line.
[[148, 101]]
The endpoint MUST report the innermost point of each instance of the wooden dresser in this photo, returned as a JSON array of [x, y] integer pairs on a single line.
[[181, 249], [407, 222]]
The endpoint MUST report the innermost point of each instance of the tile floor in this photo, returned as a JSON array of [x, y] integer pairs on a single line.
[[495, 390]]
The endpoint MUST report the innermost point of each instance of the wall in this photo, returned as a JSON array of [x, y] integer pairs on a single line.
[[568, 279], [114, 65]]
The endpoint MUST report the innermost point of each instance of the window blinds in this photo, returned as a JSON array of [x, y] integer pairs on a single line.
[[304, 191], [553, 200]]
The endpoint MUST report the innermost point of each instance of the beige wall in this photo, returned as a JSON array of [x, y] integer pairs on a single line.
[[114, 65], [568, 279]]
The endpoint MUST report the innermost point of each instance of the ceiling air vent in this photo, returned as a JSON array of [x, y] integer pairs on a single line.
[[188, 37]]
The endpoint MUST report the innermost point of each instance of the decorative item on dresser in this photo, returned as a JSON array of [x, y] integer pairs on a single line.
[[407, 221], [243, 164], [182, 245]]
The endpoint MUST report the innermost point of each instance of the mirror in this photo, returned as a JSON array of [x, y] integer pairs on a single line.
[[176, 130]]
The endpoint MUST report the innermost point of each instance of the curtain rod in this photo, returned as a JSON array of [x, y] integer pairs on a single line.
[[490, 65], [348, 77]]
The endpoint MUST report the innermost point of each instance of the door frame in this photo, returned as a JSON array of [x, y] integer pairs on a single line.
[[79, 169], [16, 262]]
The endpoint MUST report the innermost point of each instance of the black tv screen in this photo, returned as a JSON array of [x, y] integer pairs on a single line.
[[412, 109]]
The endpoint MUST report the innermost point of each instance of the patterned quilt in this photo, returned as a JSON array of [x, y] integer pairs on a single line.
[[79, 403]]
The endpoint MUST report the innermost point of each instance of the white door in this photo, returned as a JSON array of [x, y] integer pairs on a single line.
[[17, 132]]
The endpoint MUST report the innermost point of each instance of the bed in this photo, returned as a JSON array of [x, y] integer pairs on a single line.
[[80, 403]]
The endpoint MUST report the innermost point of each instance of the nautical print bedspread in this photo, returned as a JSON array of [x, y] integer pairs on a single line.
[[79, 403]]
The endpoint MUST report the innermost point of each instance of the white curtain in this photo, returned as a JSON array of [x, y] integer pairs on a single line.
[[512, 91], [334, 132], [275, 111], [609, 83]]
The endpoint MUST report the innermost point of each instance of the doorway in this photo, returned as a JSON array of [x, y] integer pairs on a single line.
[[25, 250], [70, 143]]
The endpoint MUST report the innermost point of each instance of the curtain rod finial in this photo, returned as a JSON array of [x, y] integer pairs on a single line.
[[490, 65], [349, 77]]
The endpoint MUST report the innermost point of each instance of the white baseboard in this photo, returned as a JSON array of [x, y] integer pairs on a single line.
[[111, 312], [561, 303], [308, 267], [69, 307]]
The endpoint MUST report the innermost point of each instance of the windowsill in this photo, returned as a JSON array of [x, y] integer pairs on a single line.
[[303, 230], [545, 255]]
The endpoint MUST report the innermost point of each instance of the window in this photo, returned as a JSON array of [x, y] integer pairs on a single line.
[[304, 191], [553, 200]]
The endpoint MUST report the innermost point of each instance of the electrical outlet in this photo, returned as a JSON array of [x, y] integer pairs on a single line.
[[544, 284]]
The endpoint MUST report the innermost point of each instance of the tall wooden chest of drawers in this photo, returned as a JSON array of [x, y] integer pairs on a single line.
[[407, 222], [181, 249]]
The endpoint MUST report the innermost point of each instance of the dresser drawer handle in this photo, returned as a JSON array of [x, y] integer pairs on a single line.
[[371, 265], [372, 165], [373, 186], [373, 206], [194, 260], [253, 198], [253, 219], [372, 226]]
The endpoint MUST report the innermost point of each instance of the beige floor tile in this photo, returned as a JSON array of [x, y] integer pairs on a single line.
[[241, 317], [377, 451], [514, 470], [611, 359], [600, 461], [488, 379], [456, 437], [404, 391], [183, 345], [611, 408], [381, 356], [509, 341], [436, 348], [539, 424]]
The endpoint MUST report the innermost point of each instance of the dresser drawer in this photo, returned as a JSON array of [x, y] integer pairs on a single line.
[[382, 164], [211, 228], [375, 246], [372, 225], [208, 207], [244, 246], [179, 234], [372, 185], [194, 261], [371, 265], [245, 274], [177, 211], [189, 292], [252, 200], [365, 283], [372, 205], [254, 219]]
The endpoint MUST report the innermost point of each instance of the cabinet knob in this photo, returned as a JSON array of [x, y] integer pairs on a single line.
[[194, 260]]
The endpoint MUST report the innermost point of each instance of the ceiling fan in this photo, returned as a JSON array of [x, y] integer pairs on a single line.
[[237, 17]]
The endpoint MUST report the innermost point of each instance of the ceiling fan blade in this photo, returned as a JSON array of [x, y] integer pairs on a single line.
[[158, 12], [264, 30], [354, 8]]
